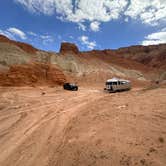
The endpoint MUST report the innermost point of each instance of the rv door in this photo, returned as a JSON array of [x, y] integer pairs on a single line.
[[114, 86]]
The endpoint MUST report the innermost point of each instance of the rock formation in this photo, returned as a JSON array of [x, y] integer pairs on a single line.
[[69, 48], [154, 55], [32, 74], [137, 62], [26, 47]]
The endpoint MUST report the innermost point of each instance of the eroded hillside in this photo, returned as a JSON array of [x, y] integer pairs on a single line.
[[138, 62], [32, 74]]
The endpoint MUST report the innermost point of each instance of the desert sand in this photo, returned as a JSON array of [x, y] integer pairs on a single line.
[[46, 126]]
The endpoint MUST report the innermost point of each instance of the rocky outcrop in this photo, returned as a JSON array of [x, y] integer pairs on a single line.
[[67, 48], [154, 56], [12, 53], [31, 75], [26, 47]]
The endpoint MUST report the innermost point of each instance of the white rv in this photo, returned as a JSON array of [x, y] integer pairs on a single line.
[[115, 84]]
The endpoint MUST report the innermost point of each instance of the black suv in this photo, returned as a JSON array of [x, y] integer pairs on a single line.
[[69, 86]]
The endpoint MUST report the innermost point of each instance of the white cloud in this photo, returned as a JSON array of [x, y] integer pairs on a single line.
[[85, 41], [81, 26], [32, 33], [100, 10], [41, 6], [46, 39], [43, 38], [7, 34], [95, 26], [150, 12], [17, 32], [155, 38], [14, 32]]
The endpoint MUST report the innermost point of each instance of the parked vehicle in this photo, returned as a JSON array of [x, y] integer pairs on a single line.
[[69, 86], [115, 84]]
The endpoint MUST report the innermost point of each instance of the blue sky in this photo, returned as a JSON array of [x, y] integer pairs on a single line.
[[91, 24]]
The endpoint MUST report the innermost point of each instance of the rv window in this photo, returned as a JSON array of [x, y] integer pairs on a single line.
[[114, 83], [123, 82], [108, 83]]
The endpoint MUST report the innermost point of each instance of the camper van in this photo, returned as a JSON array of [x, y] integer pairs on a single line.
[[115, 84]]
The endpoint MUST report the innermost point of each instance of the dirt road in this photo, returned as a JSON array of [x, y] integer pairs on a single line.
[[51, 127]]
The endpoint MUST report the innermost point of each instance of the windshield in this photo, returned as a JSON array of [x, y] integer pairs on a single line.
[[73, 84]]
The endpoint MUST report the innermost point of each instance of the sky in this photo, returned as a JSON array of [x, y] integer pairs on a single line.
[[90, 24]]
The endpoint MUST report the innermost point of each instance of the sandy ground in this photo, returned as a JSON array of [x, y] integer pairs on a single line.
[[51, 127]]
